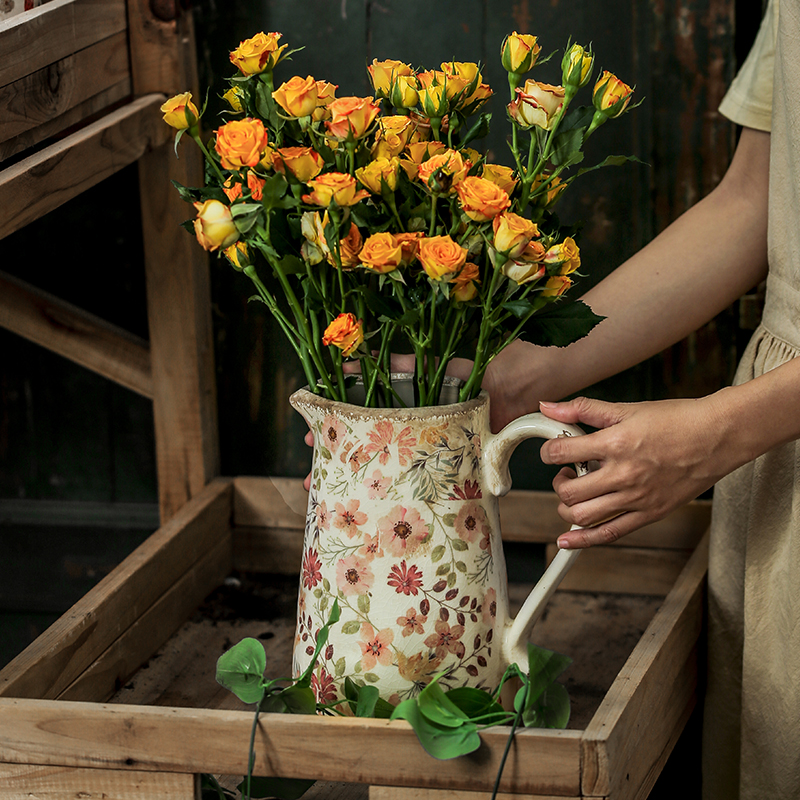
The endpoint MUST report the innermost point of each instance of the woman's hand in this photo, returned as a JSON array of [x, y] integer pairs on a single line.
[[654, 457]]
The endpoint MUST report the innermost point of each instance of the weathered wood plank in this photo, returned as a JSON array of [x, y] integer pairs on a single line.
[[25, 781], [638, 721], [127, 653], [54, 31], [275, 550], [75, 334], [52, 91], [94, 623], [624, 570], [45, 180], [199, 740], [404, 793]]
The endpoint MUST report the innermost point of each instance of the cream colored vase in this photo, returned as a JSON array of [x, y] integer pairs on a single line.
[[403, 529]]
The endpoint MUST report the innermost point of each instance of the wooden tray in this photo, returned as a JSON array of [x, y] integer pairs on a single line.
[[76, 716]]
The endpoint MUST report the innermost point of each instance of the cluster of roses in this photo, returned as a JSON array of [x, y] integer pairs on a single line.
[[347, 172]]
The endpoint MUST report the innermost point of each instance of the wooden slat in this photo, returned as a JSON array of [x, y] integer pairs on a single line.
[[636, 724], [75, 334], [45, 180], [276, 550], [526, 516], [623, 570], [120, 661], [96, 621], [50, 92], [25, 782], [404, 793], [333, 748], [54, 31]]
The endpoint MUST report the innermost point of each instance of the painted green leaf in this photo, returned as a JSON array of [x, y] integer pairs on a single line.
[[443, 569], [459, 544], [339, 667], [351, 626], [438, 553], [461, 566], [363, 603], [449, 520], [241, 670], [371, 677]]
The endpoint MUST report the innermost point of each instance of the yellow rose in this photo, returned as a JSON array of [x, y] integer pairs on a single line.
[[576, 66], [238, 255], [565, 254], [441, 257], [556, 286], [433, 100], [349, 248], [404, 93], [502, 176], [481, 200], [447, 170], [410, 243], [241, 143], [304, 163], [351, 116], [214, 226], [383, 74], [537, 104], [392, 136], [335, 187], [180, 112], [464, 288], [477, 99], [345, 332], [234, 98], [257, 54], [466, 70], [381, 168], [382, 252], [297, 96], [315, 247], [611, 95], [326, 94], [512, 234], [523, 271], [554, 188], [519, 52]]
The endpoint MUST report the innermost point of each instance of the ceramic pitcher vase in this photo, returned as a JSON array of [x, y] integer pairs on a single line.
[[403, 529]]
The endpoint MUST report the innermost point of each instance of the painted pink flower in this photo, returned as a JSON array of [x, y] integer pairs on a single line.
[[324, 687], [470, 491], [406, 580], [375, 647], [353, 576], [489, 607], [447, 639], [380, 437], [311, 569], [358, 458], [323, 516], [348, 518], [372, 547], [377, 485], [404, 443], [471, 522], [402, 531], [333, 432], [412, 622]]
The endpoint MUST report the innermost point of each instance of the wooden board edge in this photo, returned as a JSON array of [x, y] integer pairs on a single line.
[[405, 793], [74, 641]]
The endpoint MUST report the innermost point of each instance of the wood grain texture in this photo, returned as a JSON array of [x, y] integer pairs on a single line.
[[54, 31], [96, 621], [75, 334], [26, 782], [403, 793], [199, 740], [45, 180], [54, 90], [635, 727]]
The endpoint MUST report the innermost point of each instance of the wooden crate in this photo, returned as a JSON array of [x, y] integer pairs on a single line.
[[58, 728]]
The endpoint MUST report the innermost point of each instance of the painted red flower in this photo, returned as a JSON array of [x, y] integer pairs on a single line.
[[324, 687], [470, 491], [406, 580], [348, 518], [375, 647], [311, 569], [447, 639]]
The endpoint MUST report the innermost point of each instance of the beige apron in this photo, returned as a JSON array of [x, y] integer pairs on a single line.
[[751, 735]]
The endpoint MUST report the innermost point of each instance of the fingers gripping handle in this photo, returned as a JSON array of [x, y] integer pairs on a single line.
[[496, 458]]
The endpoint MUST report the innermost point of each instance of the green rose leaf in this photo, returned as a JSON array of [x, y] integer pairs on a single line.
[[560, 324], [241, 670], [478, 705]]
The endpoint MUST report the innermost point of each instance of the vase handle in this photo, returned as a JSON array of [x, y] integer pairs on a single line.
[[496, 456]]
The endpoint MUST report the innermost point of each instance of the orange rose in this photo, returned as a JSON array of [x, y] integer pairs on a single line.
[[556, 286], [351, 116], [441, 257], [345, 332], [554, 188], [233, 189], [447, 169], [481, 200], [512, 234], [334, 186], [519, 52], [304, 163], [502, 176], [326, 94], [258, 54], [382, 252], [381, 168], [214, 226], [180, 112], [410, 244], [383, 74], [241, 143], [611, 95], [297, 96], [565, 254], [481, 94], [464, 288], [349, 248]]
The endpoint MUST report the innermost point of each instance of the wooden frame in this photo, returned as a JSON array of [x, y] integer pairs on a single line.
[[53, 697], [103, 68]]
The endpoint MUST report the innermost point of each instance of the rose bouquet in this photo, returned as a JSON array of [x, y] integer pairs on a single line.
[[368, 226]]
